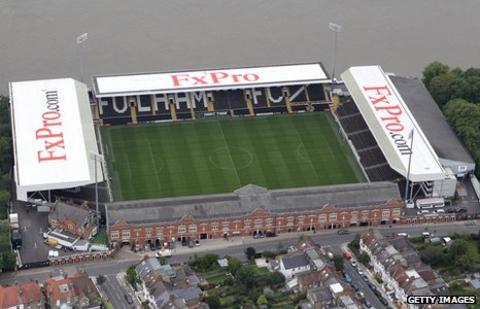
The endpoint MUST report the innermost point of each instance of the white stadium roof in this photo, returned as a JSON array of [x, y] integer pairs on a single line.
[[53, 135], [391, 123], [153, 83]]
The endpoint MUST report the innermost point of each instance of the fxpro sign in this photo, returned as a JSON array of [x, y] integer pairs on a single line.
[[53, 133], [154, 83], [392, 123]]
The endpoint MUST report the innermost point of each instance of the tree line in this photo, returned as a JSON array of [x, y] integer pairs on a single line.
[[457, 93], [7, 257]]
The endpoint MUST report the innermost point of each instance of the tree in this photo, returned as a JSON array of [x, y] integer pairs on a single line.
[[458, 248], [262, 300], [364, 258], [338, 262], [213, 302], [205, 263], [268, 254], [275, 279], [246, 276], [440, 88], [435, 256], [132, 276], [466, 261], [250, 252], [9, 260], [101, 279], [234, 265], [432, 70]]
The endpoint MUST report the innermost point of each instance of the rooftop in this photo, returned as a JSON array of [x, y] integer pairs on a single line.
[[430, 117], [295, 260], [250, 197]]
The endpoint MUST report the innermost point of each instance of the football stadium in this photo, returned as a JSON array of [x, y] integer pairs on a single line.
[[259, 143]]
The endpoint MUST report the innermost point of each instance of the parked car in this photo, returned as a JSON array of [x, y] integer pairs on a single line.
[[383, 301], [197, 242], [462, 210], [163, 253], [402, 234], [355, 287], [348, 278], [270, 234], [354, 264], [343, 232], [128, 298]]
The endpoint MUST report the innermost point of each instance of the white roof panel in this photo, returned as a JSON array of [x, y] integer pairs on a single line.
[[53, 135], [392, 124], [151, 83]]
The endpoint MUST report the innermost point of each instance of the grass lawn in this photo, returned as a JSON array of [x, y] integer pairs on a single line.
[[100, 238], [220, 155]]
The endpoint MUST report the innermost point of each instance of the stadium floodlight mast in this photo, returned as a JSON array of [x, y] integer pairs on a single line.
[[408, 199], [336, 28], [81, 39], [96, 157]]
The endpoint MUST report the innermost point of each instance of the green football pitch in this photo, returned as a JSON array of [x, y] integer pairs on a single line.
[[220, 155]]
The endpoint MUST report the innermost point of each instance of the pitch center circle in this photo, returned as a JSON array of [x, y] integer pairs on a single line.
[[222, 158]]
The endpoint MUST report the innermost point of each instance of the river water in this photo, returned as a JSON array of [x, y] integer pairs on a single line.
[[37, 37]]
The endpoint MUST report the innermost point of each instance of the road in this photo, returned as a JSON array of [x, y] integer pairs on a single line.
[[116, 292], [363, 286], [327, 238], [38, 37]]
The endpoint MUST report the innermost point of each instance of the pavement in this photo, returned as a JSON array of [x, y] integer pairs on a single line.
[[232, 248]]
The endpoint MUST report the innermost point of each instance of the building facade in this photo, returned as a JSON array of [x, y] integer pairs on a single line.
[[253, 210]]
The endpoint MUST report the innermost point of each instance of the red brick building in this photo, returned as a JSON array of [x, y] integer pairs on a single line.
[[78, 220], [77, 291], [24, 295], [254, 210]]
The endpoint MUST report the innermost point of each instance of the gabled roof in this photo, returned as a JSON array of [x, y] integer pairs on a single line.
[[18, 294], [295, 260], [62, 211]]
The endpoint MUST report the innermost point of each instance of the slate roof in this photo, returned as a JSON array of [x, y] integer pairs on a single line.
[[251, 197], [62, 210], [431, 119], [295, 261]]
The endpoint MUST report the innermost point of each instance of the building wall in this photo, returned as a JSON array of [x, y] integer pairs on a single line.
[[258, 221]]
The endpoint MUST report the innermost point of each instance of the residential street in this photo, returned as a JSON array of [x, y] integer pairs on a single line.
[[231, 248]]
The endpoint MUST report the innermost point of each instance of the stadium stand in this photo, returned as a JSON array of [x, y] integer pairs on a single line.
[[371, 157]]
